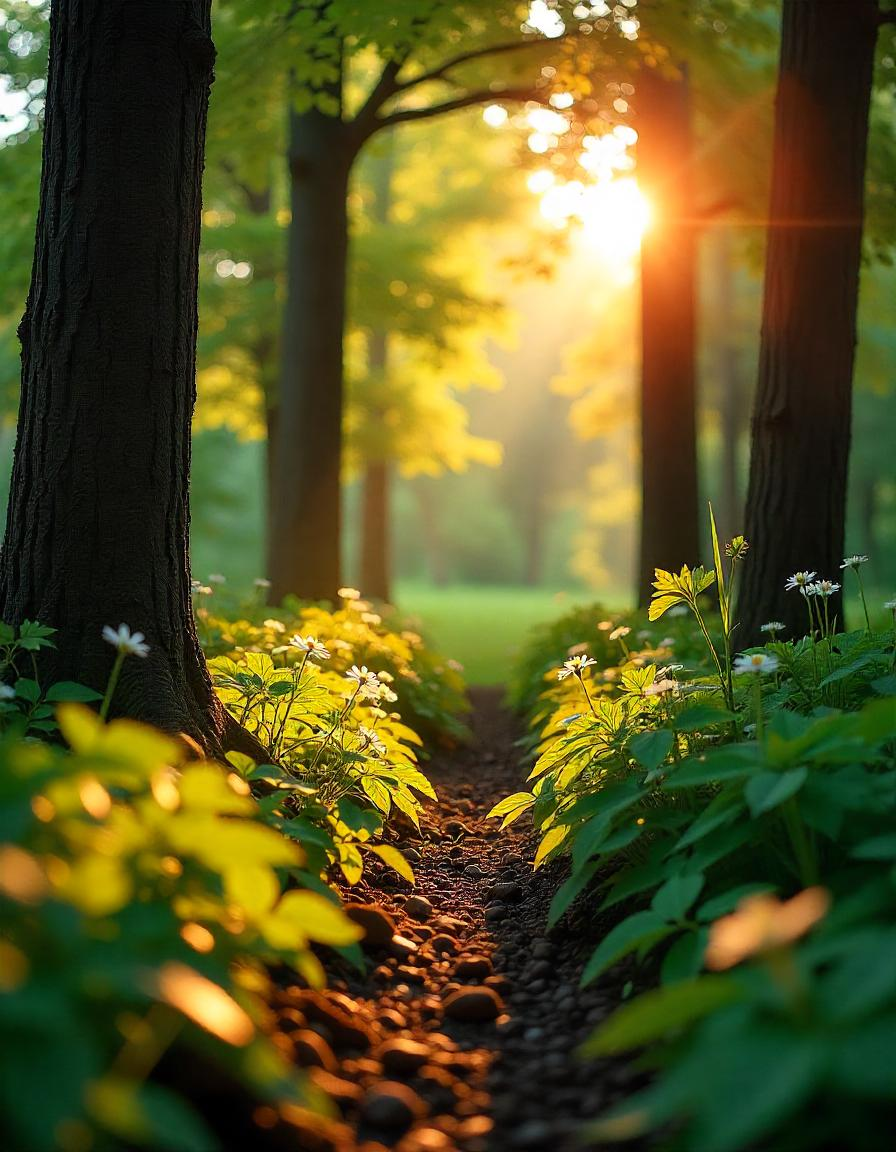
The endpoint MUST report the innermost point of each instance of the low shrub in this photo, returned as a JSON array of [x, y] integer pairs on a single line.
[[144, 897], [740, 808]]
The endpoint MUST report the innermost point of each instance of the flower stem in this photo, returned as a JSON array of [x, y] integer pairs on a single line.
[[112, 685], [757, 692], [864, 601]]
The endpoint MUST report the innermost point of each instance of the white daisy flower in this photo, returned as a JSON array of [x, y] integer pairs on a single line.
[[348, 594], [7, 692], [362, 675], [620, 632], [217, 578], [575, 666], [822, 588], [853, 561], [890, 605], [130, 643], [312, 646], [760, 662], [773, 626], [799, 580], [372, 740], [261, 582]]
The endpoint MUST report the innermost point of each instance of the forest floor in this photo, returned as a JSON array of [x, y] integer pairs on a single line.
[[462, 1035]]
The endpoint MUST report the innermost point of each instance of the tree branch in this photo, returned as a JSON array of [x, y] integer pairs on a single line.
[[468, 100], [475, 54]]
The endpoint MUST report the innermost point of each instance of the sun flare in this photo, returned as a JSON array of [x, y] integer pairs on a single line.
[[613, 214]]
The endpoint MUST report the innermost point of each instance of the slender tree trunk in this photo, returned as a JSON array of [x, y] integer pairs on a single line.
[[375, 533], [98, 520], [306, 511], [669, 509], [730, 386], [796, 500], [376, 538], [376, 542]]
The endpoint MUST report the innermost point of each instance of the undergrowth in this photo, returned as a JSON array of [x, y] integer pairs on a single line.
[[730, 820], [145, 898]]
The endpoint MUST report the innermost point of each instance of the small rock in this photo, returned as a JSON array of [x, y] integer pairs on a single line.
[[378, 925], [508, 893], [475, 1005], [392, 1105], [443, 943], [541, 949], [495, 912], [312, 1051], [344, 1092], [402, 947], [474, 872], [532, 1134], [472, 968], [418, 908], [401, 1057]]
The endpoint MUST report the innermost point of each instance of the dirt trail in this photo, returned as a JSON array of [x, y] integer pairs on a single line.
[[462, 1034]]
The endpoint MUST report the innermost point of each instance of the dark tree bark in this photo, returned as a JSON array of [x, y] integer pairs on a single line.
[[376, 542], [306, 512], [98, 520], [669, 509], [801, 418], [729, 378], [376, 513]]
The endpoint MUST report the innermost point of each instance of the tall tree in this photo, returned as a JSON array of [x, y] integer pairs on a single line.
[[420, 79], [670, 533], [97, 528], [801, 419]]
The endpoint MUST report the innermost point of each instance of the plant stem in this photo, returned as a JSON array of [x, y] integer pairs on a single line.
[[802, 849], [757, 692], [112, 685], [864, 602]]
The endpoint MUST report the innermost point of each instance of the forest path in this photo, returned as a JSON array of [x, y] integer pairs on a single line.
[[461, 1037]]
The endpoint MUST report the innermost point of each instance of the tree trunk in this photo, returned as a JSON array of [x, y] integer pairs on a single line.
[[98, 520], [376, 537], [730, 386], [375, 533], [669, 509], [796, 500], [306, 512]]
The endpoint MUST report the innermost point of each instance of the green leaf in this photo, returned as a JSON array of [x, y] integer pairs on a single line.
[[642, 928], [700, 716], [730, 762], [846, 670], [68, 690], [676, 896], [27, 689], [684, 959], [877, 848], [650, 749], [661, 1011], [394, 859], [726, 902], [511, 807], [769, 789], [720, 572], [358, 819], [569, 890], [723, 810], [550, 842]]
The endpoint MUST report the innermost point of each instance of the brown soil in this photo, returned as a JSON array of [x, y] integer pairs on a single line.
[[462, 1035]]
